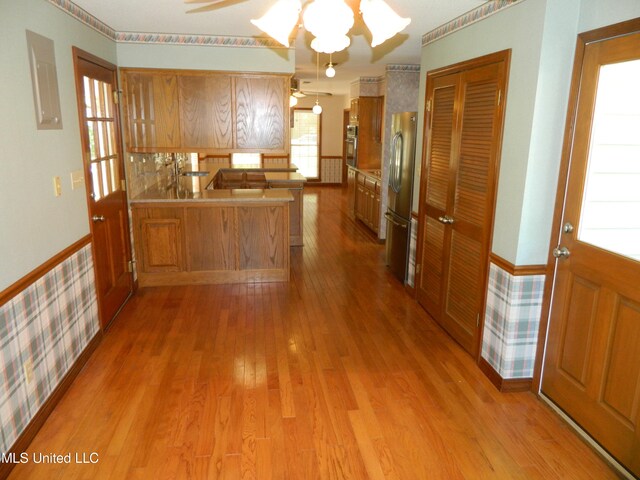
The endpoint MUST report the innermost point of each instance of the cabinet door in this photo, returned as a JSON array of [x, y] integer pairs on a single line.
[[262, 120], [351, 191], [151, 106], [205, 111], [162, 245], [369, 133], [353, 111]]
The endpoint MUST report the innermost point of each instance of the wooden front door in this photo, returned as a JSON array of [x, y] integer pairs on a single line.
[[457, 194], [107, 201], [592, 366]]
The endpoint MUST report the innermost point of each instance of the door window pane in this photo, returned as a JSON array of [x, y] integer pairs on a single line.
[[610, 217], [305, 149]]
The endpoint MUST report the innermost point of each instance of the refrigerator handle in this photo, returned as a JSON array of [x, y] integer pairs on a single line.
[[396, 170], [392, 220]]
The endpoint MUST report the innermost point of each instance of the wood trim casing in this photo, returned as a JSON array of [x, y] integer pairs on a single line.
[[584, 38], [517, 270], [504, 385], [14, 289], [26, 437]]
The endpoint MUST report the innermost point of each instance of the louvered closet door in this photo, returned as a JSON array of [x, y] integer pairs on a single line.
[[457, 197], [436, 192], [472, 208]]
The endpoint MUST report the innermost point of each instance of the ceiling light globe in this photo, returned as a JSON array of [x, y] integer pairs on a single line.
[[293, 101], [381, 20], [330, 71], [279, 20], [330, 44], [317, 109], [328, 17]]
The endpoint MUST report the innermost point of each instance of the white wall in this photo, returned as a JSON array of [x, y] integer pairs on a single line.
[[258, 59], [35, 225]]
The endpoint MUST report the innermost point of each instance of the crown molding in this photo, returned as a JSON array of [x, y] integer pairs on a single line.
[[89, 20], [469, 18]]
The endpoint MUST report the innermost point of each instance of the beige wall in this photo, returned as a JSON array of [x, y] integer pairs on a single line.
[[332, 111]]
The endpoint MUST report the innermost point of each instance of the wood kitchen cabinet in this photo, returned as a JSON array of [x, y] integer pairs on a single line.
[[214, 112], [351, 191], [353, 112], [367, 200], [151, 111], [205, 111], [370, 132], [183, 243], [261, 113]]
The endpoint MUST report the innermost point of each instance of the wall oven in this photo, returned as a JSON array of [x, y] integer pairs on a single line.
[[351, 145]]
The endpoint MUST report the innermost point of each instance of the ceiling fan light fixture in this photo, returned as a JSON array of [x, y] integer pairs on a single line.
[[280, 20], [330, 43], [317, 108], [329, 21], [293, 100], [382, 21], [330, 71]]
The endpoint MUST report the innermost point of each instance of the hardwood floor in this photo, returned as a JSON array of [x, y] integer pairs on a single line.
[[338, 374]]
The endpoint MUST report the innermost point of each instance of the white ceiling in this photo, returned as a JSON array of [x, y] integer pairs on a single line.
[[232, 19]]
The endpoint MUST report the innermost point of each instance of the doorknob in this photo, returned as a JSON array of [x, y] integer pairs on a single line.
[[446, 219], [98, 218], [561, 252]]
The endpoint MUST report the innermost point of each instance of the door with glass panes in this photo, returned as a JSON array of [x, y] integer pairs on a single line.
[[592, 360], [107, 201]]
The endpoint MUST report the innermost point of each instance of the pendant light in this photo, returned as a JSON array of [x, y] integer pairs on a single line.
[[330, 71], [317, 109]]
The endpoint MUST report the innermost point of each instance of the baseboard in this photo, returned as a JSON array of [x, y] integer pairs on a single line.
[[504, 385], [26, 437]]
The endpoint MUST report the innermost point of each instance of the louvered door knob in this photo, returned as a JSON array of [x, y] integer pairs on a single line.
[[98, 218], [446, 219]]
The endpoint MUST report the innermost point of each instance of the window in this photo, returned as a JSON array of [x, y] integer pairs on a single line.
[[305, 146]]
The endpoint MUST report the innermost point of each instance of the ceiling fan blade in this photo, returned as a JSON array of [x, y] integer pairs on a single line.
[[213, 5], [307, 93]]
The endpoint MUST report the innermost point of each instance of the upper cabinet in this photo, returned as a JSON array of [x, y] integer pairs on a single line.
[[151, 106], [370, 132], [261, 113], [205, 111]]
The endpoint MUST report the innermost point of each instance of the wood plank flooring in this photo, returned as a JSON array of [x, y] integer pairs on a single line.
[[338, 374]]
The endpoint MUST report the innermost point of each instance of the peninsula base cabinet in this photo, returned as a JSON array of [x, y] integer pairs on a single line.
[[211, 243]]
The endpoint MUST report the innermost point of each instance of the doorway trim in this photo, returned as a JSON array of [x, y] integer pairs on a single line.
[[585, 38]]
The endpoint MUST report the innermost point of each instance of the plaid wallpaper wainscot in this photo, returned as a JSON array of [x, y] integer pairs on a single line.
[[511, 322], [43, 330]]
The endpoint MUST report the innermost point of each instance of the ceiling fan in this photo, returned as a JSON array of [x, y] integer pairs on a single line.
[[213, 4], [298, 93]]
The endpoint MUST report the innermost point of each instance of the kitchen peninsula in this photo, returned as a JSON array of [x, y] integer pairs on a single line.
[[200, 229]]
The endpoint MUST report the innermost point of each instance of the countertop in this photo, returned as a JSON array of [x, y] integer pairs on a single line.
[[194, 188], [377, 174]]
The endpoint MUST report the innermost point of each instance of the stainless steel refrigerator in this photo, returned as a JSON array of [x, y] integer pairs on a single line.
[[400, 188]]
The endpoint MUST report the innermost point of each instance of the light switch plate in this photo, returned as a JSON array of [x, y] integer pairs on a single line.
[[57, 186], [77, 179]]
